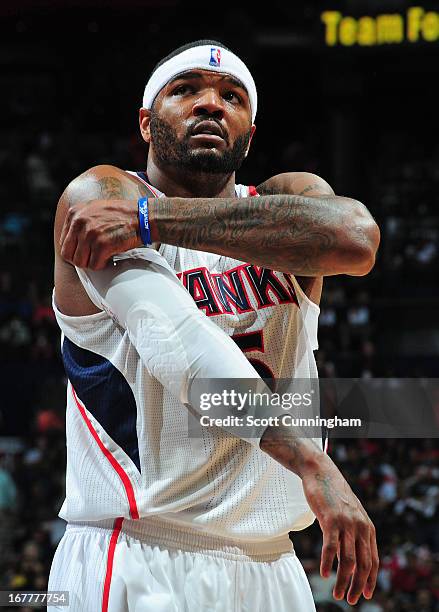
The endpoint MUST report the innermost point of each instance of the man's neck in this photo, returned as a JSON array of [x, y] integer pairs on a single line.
[[189, 184]]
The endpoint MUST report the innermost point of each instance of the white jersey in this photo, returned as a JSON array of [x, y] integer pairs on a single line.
[[128, 452]]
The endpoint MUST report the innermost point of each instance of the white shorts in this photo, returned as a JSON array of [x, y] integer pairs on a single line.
[[153, 566]]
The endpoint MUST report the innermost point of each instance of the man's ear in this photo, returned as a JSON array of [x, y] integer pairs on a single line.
[[144, 123], [253, 130]]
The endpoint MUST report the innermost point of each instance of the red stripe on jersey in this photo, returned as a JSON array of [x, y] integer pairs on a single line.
[[108, 574], [134, 513]]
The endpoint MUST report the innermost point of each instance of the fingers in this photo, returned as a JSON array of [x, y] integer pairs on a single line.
[[75, 243], [329, 549], [98, 259], [347, 532], [358, 560], [363, 565], [371, 581], [64, 231], [81, 256], [84, 253], [346, 563], [68, 244], [91, 235]]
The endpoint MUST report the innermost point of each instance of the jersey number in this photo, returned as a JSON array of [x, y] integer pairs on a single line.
[[254, 341]]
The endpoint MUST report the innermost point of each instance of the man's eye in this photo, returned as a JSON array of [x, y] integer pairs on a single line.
[[232, 96], [181, 90]]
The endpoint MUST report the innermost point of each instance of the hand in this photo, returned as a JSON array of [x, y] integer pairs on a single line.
[[95, 231], [347, 531]]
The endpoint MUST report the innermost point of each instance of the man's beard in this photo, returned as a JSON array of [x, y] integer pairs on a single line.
[[170, 151]]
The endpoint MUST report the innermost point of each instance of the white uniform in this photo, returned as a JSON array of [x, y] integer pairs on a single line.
[[145, 503]]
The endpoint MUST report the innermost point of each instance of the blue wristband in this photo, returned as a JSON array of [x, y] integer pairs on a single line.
[[145, 232]]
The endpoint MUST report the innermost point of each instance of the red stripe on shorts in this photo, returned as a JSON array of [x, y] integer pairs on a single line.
[[134, 513], [113, 541]]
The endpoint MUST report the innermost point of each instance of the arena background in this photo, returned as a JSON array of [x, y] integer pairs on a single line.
[[351, 100]]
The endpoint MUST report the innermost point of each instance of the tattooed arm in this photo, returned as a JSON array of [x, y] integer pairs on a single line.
[[347, 530], [308, 236]]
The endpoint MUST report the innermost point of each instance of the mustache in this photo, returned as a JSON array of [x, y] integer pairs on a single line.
[[203, 118]]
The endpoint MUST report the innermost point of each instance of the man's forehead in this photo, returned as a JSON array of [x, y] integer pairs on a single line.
[[201, 73]]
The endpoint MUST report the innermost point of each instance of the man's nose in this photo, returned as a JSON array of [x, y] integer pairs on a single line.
[[209, 103]]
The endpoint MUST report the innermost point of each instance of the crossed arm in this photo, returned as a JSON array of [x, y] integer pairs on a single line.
[[311, 235]]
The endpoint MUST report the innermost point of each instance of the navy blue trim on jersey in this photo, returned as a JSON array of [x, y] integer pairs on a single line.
[[106, 394], [142, 175]]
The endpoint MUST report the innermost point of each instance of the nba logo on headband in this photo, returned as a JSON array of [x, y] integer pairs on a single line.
[[215, 57]]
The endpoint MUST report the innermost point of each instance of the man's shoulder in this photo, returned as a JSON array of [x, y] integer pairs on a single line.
[[297, 183], [104, 182], [98, 172]]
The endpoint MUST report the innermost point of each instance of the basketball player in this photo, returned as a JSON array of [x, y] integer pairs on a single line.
[[157, 520]]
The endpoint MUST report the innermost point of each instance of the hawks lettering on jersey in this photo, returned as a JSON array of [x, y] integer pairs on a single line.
[[227, 293]]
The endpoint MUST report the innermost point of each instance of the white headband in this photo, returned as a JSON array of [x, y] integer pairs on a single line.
[[206, 57]]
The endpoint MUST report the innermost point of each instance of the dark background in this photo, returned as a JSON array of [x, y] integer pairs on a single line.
[[366, 119]]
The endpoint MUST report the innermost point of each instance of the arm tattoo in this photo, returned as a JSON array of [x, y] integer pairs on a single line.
[[296, 454], [113, 188], [285, 446], [285, 232], [306, 236], [326, 485], [309, 188], [264, 189]]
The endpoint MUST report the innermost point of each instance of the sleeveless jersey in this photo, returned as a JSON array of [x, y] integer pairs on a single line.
[[128, 452]]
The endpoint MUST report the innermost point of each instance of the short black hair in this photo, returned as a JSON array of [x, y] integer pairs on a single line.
[[196, 43]]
